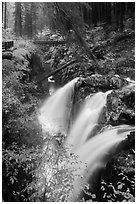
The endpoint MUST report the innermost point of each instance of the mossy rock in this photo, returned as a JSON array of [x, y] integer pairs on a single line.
[[121, 106]]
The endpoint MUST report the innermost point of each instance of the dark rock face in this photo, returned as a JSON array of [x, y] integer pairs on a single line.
[[121, 106]]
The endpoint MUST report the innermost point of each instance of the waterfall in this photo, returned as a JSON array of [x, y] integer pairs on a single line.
[[54, 114], [87, 119], [92, 151], [94, 154]]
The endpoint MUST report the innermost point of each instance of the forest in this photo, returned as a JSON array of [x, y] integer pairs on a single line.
[[68, 101]]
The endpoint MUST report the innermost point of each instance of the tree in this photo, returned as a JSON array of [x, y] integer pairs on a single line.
[[108, 4], [5, 15], [122, 12], [30, 18], [33, 11], [2, 11], [67, 18], [18, 19], [40, 21], [27, 19]]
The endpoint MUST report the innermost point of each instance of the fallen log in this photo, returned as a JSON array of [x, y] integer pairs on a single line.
[[57, 70]]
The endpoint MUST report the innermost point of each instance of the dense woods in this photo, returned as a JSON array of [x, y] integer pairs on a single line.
[[45, 46], [31, 18]]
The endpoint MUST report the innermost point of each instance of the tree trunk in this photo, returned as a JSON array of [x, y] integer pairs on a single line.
[[122, 11], [102, 12], [18, 19], [32, 11], [91, 14], [2, 11], [94, 14], [117, 13], [5, 16], [109, 13]]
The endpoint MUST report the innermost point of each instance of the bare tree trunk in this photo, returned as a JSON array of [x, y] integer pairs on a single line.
[[117, 13], [109, 13], [31, 28], [5, 16], [18, 19], [2, 11], [122, 11]]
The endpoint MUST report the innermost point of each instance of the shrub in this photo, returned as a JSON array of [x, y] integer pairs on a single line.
[[22, 135], [18, 171]]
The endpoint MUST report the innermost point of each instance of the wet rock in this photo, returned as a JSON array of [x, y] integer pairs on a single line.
[[103, 82], [121, 106]]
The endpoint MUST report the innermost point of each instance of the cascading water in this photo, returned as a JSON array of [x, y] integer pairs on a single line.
[[87, 119], [92, 151], [94, 154], [54, 115]]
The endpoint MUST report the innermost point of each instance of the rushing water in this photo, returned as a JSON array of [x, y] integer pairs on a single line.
[[94, 154], [54, 114], [86, 120], [92, 151]]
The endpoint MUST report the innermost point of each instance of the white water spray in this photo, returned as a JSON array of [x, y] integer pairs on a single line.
[[54, 115], [87, 119]]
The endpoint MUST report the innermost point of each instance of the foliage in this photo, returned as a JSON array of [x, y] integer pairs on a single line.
[[47, 34], [21, 130], [7, 34], [53, 180], [118, 180], [18, 167], [118, 59], [19, 100], [63, 16]]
